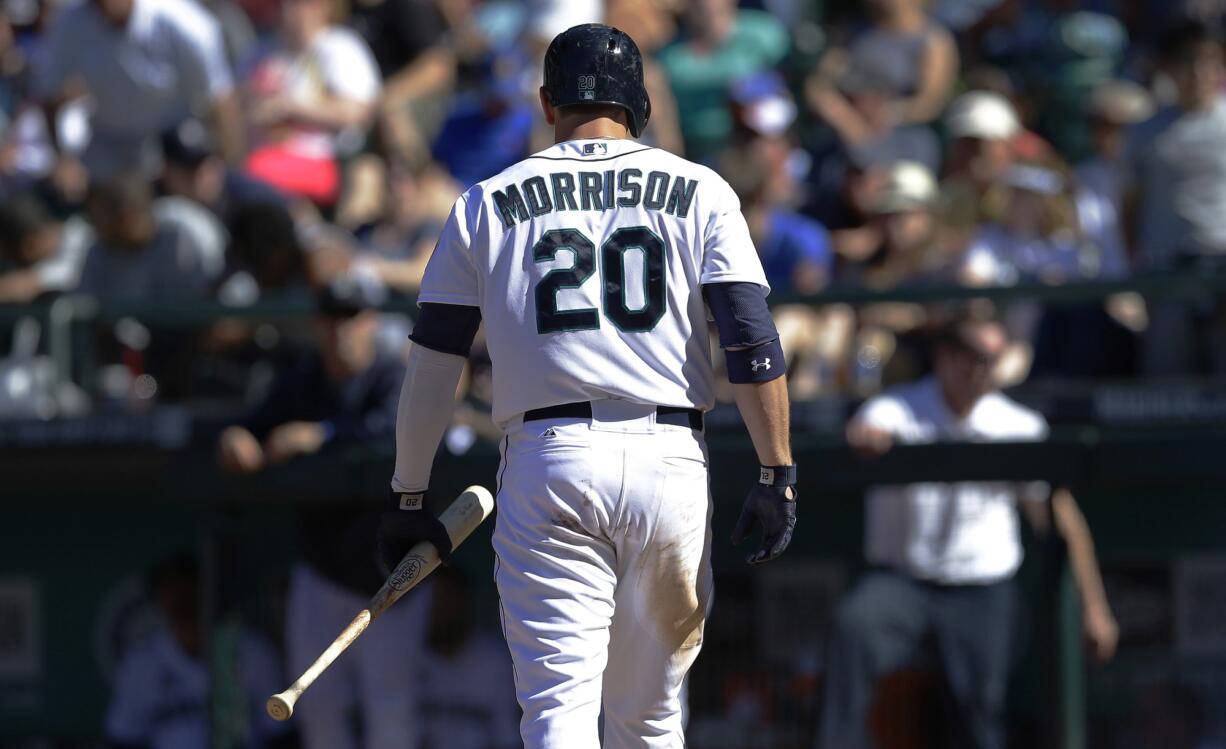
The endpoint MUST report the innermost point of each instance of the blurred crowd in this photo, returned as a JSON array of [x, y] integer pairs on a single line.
[[233, 150]]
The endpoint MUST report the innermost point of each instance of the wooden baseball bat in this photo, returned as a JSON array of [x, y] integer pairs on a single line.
[[465, 514]]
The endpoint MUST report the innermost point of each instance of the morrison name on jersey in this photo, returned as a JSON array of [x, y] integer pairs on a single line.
[[594, 191]]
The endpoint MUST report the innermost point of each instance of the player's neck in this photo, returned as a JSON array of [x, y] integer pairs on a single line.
[[596, 127]]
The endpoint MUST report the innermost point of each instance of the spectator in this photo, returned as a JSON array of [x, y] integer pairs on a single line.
[[489, 127], [1177, 199], [311, 98], [651, 27], [904, 217], [914, 59], [984, 131], [38, 253], [944, 555], [146, 64], [721, 44], [1114, 107], [192, 168], [162, 691], [398, 245], [342, 394], [137, 256], [877, 135], [908, 253], [409, 41], [763, 114], [795, 251], [1036, 235], [265, 248], [467, 689]]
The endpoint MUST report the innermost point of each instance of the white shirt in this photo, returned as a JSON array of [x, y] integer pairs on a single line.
[[167, 63], [600, 299], [336, 63], [960, 533], [468, 699]]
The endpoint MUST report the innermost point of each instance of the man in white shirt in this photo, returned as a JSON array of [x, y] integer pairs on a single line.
[[146, 65], [944, 555]]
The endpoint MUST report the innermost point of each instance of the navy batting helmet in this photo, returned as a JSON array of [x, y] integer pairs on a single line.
[[597, 64]]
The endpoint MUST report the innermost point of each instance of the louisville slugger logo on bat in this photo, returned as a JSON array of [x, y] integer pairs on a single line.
[[406, 573]]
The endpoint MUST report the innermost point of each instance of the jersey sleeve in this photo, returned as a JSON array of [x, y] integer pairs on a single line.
[[728, 252], [451, 275]]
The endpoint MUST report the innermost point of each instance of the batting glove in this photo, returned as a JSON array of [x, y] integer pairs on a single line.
[[771, 504], [409, 518]]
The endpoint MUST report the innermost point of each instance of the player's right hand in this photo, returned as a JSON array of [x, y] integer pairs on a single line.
[[408, 519], [771, 504]]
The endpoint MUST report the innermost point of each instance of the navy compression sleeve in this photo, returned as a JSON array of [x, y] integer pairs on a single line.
[[447, 328], [746, 331]]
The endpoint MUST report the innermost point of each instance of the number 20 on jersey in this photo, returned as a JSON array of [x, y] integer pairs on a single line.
[[550, 319]]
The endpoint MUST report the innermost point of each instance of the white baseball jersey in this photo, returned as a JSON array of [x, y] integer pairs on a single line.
[[586, 261]]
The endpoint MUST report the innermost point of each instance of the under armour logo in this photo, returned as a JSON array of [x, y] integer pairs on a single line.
[[755, 365]]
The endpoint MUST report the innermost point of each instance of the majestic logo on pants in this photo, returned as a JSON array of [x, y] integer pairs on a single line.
[[755, 365]]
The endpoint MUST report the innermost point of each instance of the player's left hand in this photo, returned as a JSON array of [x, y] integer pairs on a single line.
[[771, 504]]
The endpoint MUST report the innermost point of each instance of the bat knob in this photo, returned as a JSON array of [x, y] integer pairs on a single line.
[[280, 706]]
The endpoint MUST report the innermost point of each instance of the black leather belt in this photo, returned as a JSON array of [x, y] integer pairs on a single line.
[[675, 415]]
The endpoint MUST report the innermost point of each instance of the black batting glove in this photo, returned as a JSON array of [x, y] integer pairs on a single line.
[[772, 505], [409, 518]]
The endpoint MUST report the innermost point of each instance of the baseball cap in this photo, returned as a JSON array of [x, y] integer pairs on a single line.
[[982, 114], [188, 144], [1120, 103], [764, 103], [909, 186]]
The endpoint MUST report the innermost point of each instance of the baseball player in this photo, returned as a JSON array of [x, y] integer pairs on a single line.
[[594, 265]]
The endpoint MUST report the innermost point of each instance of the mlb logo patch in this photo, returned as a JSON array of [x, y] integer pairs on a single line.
[[595, 149]]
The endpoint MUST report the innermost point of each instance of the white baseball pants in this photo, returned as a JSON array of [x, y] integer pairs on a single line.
[[604, 574], [376, 674]]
